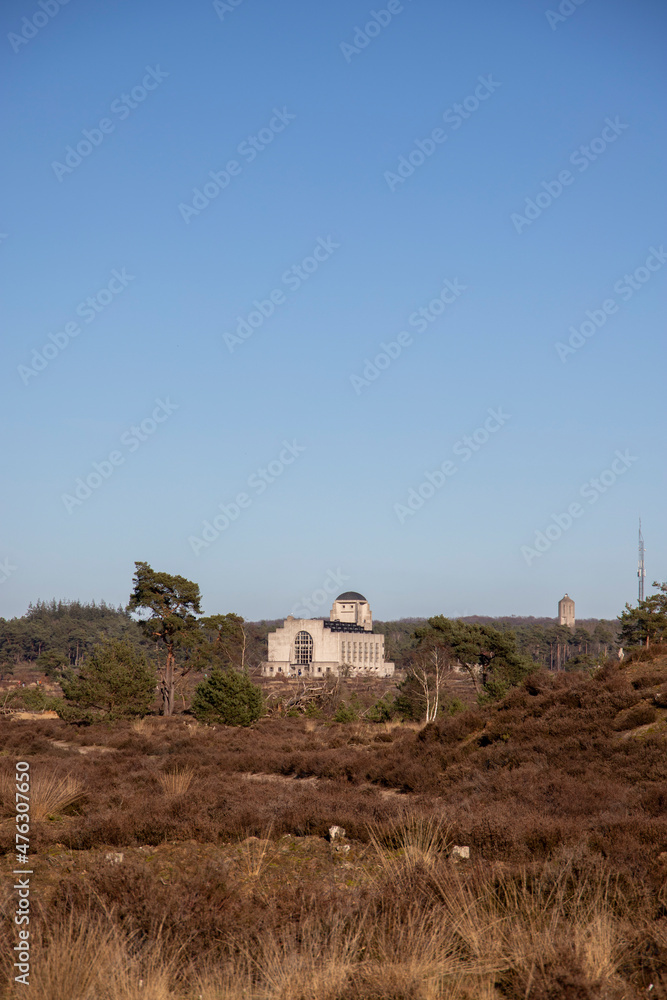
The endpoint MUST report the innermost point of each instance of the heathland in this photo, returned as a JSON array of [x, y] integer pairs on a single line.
[[177, 860]]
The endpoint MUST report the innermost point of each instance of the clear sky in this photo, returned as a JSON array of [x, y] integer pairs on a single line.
[[363, 160]]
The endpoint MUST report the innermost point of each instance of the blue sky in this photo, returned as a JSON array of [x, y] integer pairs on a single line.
[[169, 93]]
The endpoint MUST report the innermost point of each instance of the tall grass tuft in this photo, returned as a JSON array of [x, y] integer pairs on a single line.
[[253, 853], [84, 959], [412, 841], [176, 782], [69, 961], [49, 793], [483, 936], [310, 961]]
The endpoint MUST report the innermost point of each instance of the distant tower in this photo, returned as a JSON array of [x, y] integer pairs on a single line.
[[641, 572], [566, 612]]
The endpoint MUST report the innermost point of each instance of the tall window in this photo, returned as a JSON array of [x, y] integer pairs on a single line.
[[303, 648]]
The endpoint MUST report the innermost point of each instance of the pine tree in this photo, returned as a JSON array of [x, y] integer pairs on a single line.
[[228, 697], [115, 683], [173, 603], [647, 622]]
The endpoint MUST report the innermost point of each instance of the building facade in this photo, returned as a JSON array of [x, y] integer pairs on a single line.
[[344, 642], [566, 611]]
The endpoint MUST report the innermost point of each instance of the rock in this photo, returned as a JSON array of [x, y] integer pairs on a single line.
[[114, 857], [459, 853], [336, 831]]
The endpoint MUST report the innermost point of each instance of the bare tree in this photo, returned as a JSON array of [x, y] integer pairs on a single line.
[[429, 669]]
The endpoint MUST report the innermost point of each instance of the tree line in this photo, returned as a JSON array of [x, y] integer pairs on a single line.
[[110, 661]]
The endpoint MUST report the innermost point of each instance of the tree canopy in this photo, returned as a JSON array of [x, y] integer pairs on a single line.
[[173, 604], [115, 682], [229, 697], [225, 638], [647, 623], [58, 634], [484, 651]]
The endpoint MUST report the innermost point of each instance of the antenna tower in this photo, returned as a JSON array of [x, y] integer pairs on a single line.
[[641, 572]]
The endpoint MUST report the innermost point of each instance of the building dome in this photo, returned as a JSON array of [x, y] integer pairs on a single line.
[[350, 595]]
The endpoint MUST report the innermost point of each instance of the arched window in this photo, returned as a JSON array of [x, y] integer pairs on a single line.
[[303, 648]]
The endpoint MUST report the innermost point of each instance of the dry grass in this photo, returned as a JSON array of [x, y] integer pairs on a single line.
[[176, 782], [479, 938], [410, 841], [253, 853], [143, 726], [49, 793], [312, 960], [397, 724], [83, 959], [530, 925]]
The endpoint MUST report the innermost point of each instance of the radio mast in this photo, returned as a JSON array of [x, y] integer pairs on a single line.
[[641, 571]]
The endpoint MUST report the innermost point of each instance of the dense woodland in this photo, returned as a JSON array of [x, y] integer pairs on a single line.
[[56, 635]]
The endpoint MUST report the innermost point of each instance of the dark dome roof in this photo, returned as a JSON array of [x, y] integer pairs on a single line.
[[350, 595]]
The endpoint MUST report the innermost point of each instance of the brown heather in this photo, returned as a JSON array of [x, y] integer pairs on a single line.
[[193, 861]]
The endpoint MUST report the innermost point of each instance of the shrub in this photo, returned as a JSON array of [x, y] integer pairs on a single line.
[[455, 706], [32, 700], [381, 711], [345, 713], [115, 683], [639, 715], [228, 697]]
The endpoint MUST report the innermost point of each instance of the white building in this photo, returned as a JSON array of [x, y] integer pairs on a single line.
[[314, 647]]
